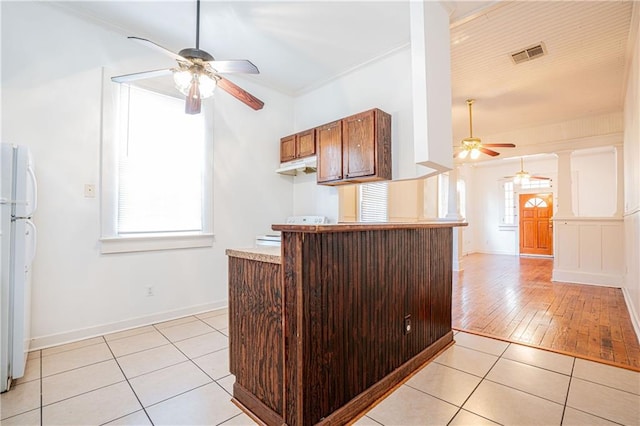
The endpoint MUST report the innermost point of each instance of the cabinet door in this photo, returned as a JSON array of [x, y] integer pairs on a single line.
[[306, 143], [359, 145], [287, 148], [329, 139]]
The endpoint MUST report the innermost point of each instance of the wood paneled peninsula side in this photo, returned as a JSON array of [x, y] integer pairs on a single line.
[[324, 326]]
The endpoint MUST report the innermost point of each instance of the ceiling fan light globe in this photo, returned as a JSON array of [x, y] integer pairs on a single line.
[[182, 79], [463, 154], [475, 153], [207, 86]]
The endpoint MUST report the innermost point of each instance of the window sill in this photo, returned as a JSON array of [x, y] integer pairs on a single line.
[[155, 242], [504, 227]]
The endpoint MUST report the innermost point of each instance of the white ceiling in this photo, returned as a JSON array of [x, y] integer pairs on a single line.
[[582, 74], [299, 45]]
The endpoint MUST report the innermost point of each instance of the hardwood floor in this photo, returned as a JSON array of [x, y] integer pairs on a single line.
[[513, 298]]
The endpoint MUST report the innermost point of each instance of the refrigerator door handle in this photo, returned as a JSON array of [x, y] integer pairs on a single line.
[[33, 202], [33, 240]]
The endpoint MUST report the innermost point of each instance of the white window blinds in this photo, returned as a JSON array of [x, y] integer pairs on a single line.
[[373, 202], [160, 165]]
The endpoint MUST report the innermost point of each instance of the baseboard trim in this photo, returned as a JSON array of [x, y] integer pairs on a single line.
[[43, 342], [458, 265], [603, 280], [500, 252], [635, 318], [374, 394]]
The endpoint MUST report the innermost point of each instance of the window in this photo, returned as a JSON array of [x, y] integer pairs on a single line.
[[535, 202], [509, 210], [462, 197], [373, 202], [156, 184], [160, 167], [535, 184]]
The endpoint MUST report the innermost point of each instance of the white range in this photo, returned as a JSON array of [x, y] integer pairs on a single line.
[[275, 239]]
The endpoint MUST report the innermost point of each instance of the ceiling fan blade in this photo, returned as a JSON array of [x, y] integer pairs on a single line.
[[488, 151], [500, 145], [239, 93], [540, 178], [159, 48], [234, 66], [140, 75]]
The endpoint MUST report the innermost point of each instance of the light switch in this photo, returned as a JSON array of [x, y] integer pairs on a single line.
[[89, 190]]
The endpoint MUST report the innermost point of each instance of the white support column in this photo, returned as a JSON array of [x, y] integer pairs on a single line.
[[453, 205], [453, 213], [456, 265], [619, 181], [431, 88], [565, 196]]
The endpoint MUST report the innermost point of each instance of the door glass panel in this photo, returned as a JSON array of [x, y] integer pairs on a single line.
[[535, 202]]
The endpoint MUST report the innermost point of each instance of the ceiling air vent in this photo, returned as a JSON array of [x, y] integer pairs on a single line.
[[528, 54]]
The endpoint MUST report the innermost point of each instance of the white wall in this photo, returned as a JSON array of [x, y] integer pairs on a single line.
[[632, 177], [594, 184], [51, 102], [384, 84]]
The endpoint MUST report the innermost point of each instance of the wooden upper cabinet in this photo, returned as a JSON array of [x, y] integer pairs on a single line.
[[306, 143], [365, 150], [351, 150], [288, 148], [300, 145], [358, 145], [329, 144]]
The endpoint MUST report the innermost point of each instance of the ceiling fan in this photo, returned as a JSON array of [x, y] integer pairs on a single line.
[[523, 177], [198, 73], [472, 147]]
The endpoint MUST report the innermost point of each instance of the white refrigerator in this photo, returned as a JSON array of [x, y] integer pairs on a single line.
[[18, 235]]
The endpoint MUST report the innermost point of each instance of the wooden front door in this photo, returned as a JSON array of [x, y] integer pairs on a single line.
[[536, 229]]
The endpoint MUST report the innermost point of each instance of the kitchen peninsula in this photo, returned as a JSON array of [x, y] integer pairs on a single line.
[[327, 324]]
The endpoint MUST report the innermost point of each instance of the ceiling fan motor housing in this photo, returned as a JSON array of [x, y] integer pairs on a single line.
[[192, 53]]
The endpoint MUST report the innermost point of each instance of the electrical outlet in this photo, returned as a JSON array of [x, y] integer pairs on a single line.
[[407, 324], [149, 290], [89, 190]]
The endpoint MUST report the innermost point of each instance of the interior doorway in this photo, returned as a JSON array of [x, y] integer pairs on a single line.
[[536, 228]]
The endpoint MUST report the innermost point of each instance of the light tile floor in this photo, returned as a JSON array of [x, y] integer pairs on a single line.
[[177, 373]]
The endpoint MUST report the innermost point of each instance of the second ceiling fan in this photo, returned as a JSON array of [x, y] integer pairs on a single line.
[[523, 177], [472, 146], [198, 73]]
